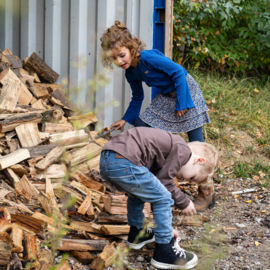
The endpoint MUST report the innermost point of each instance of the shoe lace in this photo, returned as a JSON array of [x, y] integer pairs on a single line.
[[149, 230], [178, 250]]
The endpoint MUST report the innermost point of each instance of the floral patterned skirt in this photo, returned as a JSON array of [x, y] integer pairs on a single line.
[[161, 112]]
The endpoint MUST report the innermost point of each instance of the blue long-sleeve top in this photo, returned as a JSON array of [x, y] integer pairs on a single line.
[[155, 69]]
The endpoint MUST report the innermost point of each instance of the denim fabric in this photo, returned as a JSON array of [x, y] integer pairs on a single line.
[[139, 123], [141, 186], [196, 135]]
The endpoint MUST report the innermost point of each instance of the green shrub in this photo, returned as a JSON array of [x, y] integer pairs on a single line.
[[229, 35]]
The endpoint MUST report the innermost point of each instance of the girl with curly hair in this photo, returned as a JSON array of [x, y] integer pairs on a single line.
[[180, 107]]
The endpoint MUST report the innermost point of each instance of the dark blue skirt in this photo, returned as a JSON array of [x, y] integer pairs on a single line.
[[161, 112]]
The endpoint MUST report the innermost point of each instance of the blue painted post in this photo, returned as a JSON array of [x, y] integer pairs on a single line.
[[158, 32]]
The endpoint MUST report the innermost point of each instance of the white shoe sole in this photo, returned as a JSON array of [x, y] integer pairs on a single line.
[[140, 245], [189, 265]]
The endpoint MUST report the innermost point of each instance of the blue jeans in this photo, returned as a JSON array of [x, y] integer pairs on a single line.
[[141, 186], [193, 135]]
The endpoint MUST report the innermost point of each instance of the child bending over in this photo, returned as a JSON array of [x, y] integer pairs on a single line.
[[179, 108], [143, 162]]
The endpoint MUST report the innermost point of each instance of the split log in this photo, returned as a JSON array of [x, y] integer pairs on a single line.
[[108, 256], [19, 169], [9, 95], [112, 219], [40, 150], [15, 61], [50, 158], [14, 158], [7, 51], [39, 91], [5, 220], [28, 134], [31, 224], [92, 164], [28, 187], [14, 262], [13, 145], [30, 246], [14, 179], [63, 266], [19, 206], [53, 171], [86, 226], [87, 206], [115, 229], [57, 97], [4, 66], [84, 154], [88, 182], [5, 248], [101, 141], [17, 237], [69, 138], [83, 257], [82, 245], [25, 96], [41, 68], [45, 259], [82, 121], [40, 104], [56, 128], [12, 122]]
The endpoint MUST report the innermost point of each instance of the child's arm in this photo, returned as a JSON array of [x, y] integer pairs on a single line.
[[134, 108], [161, 63]]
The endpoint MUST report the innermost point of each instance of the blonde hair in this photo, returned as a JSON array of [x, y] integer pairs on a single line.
[[119, 36], [209, 153]]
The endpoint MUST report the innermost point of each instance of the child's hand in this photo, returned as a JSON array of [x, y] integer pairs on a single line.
[[175, 234], [119, 124], [180, 113], [190, 210]]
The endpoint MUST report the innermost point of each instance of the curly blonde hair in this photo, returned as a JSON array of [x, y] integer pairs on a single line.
[[119, 36]]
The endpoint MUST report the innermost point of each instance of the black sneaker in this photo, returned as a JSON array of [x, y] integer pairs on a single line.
[[172, 256], [148, 237]]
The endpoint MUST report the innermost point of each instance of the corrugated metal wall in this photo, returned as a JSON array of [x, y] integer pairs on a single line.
[[65, 33]]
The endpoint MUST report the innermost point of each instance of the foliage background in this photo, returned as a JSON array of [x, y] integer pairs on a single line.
[[228, 35]]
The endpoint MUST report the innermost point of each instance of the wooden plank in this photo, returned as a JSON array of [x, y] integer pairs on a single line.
[[13, 158], [69, 138], [84, 154], [41, 68], [82, 245], [28, 187], [53, 156], [25, 95], [12, 122], [9, 95], [53, 128], [28, 134], [168, 29], [83, 257]]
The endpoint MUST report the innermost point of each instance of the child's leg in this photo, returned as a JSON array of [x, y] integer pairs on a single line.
[[196, 135], [139, 123]]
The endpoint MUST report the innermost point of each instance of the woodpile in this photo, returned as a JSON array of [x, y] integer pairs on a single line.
[[52, 197]]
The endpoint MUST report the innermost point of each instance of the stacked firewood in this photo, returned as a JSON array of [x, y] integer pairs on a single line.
[[49, 156]]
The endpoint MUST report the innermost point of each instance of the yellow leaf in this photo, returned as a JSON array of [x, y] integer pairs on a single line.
[[263, 211], [256, 90], [235, 205], [197, 64], [236, 196], [213, 230], [257, 243], [180, 60], [213, 101], [250, 201]]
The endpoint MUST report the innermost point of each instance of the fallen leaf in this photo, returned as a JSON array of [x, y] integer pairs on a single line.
[[256, 90], [263, 211], [236, 196], [257, 243], [262, 175], [235, 205], [213, 230], [259, 235], [250, 201], [214, 100], [256, 178]]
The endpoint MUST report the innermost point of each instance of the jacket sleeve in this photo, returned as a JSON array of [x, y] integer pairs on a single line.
[[178, 75], [168, 172], [134, 108]]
